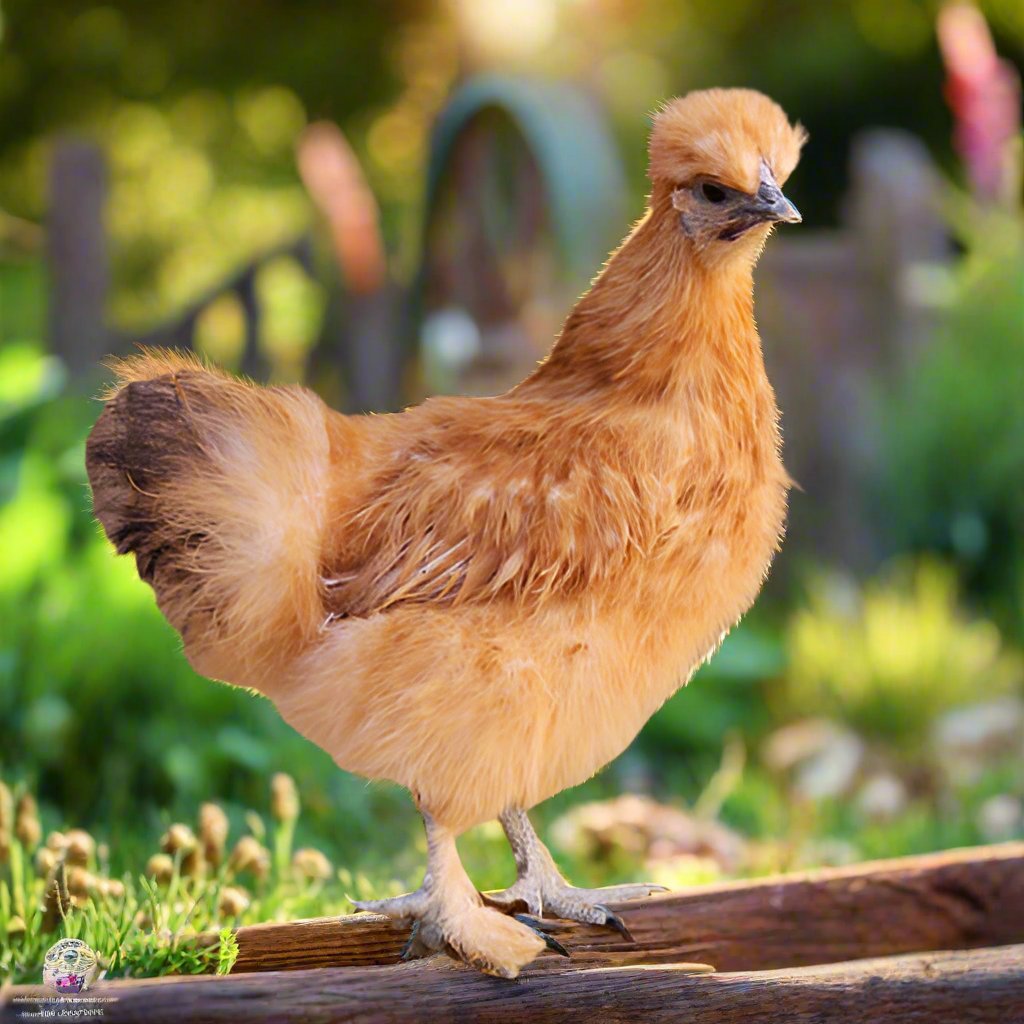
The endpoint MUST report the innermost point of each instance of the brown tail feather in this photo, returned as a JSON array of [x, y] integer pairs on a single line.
[[216, 487]]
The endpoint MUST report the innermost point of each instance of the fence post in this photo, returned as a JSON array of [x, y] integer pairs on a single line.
[[895, 216], [369, 353], [76, 253]]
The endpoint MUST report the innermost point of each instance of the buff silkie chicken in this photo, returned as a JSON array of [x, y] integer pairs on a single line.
[[484, 599]]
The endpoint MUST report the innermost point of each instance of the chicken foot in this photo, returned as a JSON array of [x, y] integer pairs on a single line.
[[541, 889], [448, 914]]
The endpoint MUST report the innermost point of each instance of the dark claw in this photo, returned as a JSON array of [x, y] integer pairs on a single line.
[[549, 940], [616, 922], [414, 949], [407, 953], [554, 945]]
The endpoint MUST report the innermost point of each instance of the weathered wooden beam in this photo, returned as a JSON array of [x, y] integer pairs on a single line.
[[959, 899], [984, 986]]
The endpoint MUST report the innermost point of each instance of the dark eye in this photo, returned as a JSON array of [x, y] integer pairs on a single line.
[[712, 193]]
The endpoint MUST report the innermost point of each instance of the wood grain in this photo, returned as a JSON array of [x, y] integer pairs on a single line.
[[984, 986], [959, 899]]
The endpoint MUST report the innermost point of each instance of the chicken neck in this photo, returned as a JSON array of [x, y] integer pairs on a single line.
[[659, 321]]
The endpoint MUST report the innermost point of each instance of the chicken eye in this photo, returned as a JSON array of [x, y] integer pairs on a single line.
[[712, 193]]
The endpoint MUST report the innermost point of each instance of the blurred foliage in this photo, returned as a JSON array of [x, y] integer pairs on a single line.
[[891, 659], [724, 696], [952, 473], [198, 107], [198, 110]]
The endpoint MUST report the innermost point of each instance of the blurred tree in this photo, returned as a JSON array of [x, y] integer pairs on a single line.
[[198, 106], [199, 102]]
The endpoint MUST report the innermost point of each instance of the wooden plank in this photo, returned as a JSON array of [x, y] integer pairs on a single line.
[[958, 899], [976, 987]]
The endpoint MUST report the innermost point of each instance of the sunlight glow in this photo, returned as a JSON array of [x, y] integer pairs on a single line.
[[498, 29]]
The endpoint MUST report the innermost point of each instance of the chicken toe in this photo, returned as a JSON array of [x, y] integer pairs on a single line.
[[541, 889]]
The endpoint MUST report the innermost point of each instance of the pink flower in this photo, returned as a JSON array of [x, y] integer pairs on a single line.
[[984, 94]]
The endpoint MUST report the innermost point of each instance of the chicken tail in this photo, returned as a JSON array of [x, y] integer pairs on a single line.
[[218, 487]]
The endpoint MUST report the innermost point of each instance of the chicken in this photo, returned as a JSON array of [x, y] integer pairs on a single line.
[[484, 599]]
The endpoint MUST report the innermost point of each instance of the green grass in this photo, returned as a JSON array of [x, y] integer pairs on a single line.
[[149, 924]]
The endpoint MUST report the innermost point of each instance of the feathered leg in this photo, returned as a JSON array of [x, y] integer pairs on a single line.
[[541, 889], [448, 914]]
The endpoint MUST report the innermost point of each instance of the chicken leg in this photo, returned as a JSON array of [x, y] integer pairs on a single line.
[[541, 889], [447, 913]]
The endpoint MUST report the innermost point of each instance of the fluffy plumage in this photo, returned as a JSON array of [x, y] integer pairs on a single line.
[[485, 599]]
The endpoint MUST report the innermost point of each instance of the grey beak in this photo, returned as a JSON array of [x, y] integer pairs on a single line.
[[770, 204]]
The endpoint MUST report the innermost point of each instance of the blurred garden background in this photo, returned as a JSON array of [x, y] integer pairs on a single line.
[[394, 199]]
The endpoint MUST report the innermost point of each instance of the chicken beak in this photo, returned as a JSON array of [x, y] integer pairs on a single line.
[[770, 204]]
